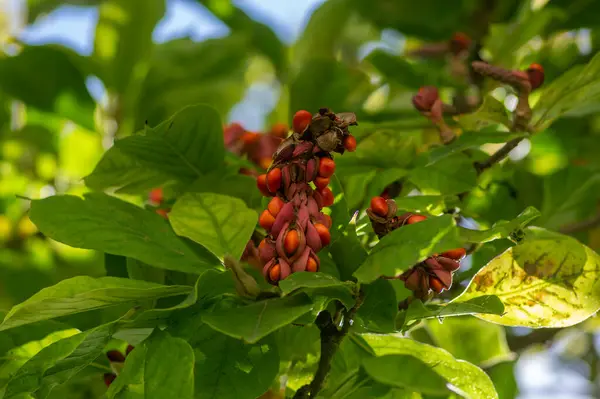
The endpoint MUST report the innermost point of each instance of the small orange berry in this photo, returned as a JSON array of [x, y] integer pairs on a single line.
[[156, 195], [456, 254], [280, 130], [324, 234], [275, 272], [435, 284], [379, 206], [266, 220], [321, 182], [415, 219], [250, 137], [327, 195], [329, 222], [535, 73], [274, 180], [311, 265], [326, 167], [163, 212], [301, 121], [275, 206], [291, 242], [350, 143], [265, 163], [261, 183]]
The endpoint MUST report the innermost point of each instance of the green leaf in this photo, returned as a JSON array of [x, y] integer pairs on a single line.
[[431, 204], [481, 304], [322, 33], [119, 170], [324, 81], [405, 247], [471, 339], [58, 362], [261, 36], [471, 139], [451, 175], [547, 281], [398, 70], [576, 89], [468, 378], [405, 371], [82, 294], [229, 182], [227, 368], [161, 367], [257, 320], [184, 72], [301, 280], [185, 146], [503, 376], [108, 224], [380, 307], [123, 42], [60, 89], [220, 223], [491, 112], [501, 229]]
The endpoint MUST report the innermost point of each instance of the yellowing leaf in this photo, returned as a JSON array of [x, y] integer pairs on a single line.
[[550, 280]]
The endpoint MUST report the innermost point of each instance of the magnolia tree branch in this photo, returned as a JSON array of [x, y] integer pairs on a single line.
[[498, 156], [331, 338], [581, 226]]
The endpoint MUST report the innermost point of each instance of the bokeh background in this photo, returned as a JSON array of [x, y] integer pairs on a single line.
[[57, 115]]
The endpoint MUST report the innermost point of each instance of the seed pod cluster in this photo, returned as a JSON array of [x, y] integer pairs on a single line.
[[297, 183], [115, 357], [258, 147], [434, 273]]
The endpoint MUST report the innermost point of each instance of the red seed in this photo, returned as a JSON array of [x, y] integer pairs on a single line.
[[163, 212], [261, 183], [275, 206], [301, 121], [459, 42], [275, 273], [266, 220], [327, 195], [456, 254], [379, 206], [326, 167], [280, 130], [324, 233], [250, 137], [156, 196], [435, 284], [350, 143], [109, 378], [425, 98], [129, 349], [415, 219], [274, 180], [291, 242], [115, 356], [265, 163], [328, 220], [535, 73], [321, 182], [312, 265]]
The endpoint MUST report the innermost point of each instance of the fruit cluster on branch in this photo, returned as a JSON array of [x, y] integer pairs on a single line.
[[434, 274], [298, 182]]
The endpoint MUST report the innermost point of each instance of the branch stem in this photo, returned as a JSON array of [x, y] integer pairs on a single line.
[[331, 338]]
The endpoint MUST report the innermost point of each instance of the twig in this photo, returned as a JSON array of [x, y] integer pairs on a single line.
[[331, 338], [581, 226], [498, 155]]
